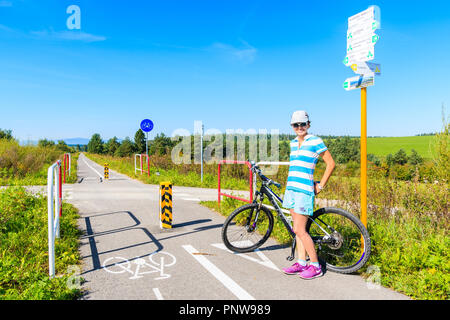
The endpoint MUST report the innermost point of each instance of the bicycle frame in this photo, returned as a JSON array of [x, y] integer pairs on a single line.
[[274, 200]]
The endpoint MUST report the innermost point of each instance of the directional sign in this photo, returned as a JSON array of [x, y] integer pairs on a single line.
[[146, 125], [366, 54], [357, 82], [375, 67], [366, 68], [361, 37], [362, 17]]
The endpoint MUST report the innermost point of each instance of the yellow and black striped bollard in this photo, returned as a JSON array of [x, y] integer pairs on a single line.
[[165, 202]]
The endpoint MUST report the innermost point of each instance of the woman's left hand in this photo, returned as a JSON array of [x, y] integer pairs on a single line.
[[316, 188]]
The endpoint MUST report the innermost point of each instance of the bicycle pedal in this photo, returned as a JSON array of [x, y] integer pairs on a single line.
[[290, 258]]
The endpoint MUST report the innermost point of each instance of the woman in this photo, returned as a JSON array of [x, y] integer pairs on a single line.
[[301, 189]]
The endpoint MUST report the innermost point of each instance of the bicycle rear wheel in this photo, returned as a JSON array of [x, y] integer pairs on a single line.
[[247, 228], [347, 248]]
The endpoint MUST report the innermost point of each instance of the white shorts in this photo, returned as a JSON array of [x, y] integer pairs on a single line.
[[302, 203]]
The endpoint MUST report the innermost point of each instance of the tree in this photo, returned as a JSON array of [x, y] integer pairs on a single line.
[[45, 143], [95, 145], [440, 150], [126, 148], [374, 159], [344, 149], [112, 145], [161, 144], [62, 146], [390, 159], [6, 134], [400, 157], [139, 141], [415, 159]]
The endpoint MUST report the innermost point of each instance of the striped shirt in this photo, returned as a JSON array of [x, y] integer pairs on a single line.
[[302, 163]]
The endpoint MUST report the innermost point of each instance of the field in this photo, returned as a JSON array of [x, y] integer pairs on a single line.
[[384, 145]]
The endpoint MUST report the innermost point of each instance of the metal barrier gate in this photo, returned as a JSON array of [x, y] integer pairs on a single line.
[[142, 164], [250, 180], [54, 207]]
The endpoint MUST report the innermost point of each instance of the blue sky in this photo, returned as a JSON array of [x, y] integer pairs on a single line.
[[231, 64]]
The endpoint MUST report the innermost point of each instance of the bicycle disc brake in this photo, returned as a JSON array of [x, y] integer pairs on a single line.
[[337, 241]]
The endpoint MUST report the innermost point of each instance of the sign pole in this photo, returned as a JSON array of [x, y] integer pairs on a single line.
[[146, 145], [364, 156], [201, 152]]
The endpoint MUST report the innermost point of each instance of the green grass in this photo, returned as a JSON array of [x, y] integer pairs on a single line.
[[24, 248], [39, 178], [28, 165], [384, 145]]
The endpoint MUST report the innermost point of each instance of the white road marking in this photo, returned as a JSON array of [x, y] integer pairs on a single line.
[[219, 274], [191, 199], [264, 260], [158, 294], [101, 176]]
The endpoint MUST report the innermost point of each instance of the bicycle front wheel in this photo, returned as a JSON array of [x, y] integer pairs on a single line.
[[342, 241], [247, 228]]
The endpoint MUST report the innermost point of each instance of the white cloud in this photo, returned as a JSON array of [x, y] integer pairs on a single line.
[[4, 3], [245, 54], [67, 35]]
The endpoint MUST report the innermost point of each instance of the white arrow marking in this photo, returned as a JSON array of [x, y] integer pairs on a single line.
[[158, 294], [191, 199], [264, 260]]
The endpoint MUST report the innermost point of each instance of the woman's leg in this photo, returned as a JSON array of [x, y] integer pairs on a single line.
[[307, 243], [300, 248]]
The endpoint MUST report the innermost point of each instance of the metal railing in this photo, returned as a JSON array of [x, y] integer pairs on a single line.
[[142, 164], [54, 207], [271, 163], [250, 180], [67, 161]]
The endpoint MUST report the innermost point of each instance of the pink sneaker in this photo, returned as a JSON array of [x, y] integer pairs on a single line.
[[295, 268], [311, 272]]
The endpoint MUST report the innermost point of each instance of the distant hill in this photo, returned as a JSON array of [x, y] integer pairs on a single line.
[[75, 141]]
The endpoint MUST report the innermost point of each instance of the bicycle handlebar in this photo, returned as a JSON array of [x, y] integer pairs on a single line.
[[257, 170]]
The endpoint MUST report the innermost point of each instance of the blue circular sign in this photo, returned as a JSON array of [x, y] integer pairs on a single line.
[[146, 125]]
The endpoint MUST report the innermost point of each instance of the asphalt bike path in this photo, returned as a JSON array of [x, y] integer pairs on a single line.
[[125, 254]]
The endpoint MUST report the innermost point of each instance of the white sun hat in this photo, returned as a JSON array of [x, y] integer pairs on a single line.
[[299, 116]]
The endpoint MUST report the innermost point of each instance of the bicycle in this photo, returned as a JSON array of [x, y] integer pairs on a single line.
[[342, 241]]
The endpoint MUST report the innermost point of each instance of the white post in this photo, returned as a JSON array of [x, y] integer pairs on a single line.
[[70, 162], [57, 201], [50, 213]]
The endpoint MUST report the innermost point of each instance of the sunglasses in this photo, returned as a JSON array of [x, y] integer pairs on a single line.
[[300, 124]]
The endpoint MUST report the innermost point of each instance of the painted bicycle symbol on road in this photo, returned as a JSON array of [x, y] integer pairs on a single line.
[[157, 262]]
